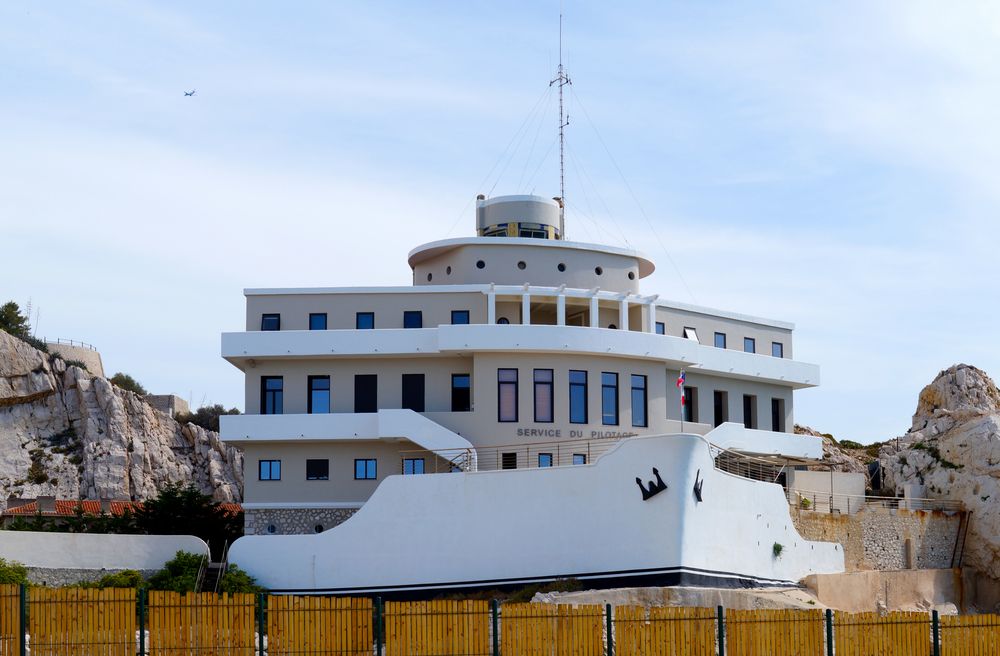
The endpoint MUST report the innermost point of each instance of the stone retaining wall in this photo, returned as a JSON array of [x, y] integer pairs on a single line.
[[56, 577], [293, 521]]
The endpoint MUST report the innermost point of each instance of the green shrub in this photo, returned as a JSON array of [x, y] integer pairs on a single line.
[[179, 574], [777, 549], [851, 444], [77, 363], [128, 383], [12, 321], [236, 580], [12, 571], [207, 416], [127, 578]]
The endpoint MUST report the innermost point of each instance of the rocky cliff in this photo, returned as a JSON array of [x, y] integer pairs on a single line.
[[66, 433], [953, 450]]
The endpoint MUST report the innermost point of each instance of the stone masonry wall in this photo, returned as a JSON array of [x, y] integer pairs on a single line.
[[293, 521], [57, 577], [883, 539]]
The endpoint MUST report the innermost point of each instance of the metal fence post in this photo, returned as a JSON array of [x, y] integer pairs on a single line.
[[378, 626], [936, 633], [611, 642], [261, 600], [495, 612], [829, 632], [722, 631], [23, 612], [142, 622]]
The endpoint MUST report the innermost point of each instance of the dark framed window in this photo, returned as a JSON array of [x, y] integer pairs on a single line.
[[365, 469], [459, 317], [720, 340], [365, 393], [319, 395], [690, 333], [750, 411], [690, 409], [270, 322], [272, 395], [318, 469], [609, 398], [317, 321], [749, 345], [508, 461], [544, 459], [720, 402], [778, 415], [777, 349], [661, 328], [507, 395], [364, 320], [579, 458], [640, 416], [543, 396], [461, 393], [413, 392], [269, 470], [503, 321], [413, 466], [413, 319], [577, 396]]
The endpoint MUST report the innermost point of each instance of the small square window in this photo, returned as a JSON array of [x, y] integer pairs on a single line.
[[270, 322], [317, 321], [365, 321], [413, 466], [317, 470], [720, 340], [690, 333], [777, 349], [413, 319], [579, 458], [459, 317], [661, 328], [544, 459], [749, 345], [508, 461], [365, 469], [269, 470]]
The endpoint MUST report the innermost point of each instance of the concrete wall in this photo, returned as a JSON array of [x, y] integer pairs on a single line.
[[89, 551], [874, 591], [815, 487], [883, 539], [707, 324], [88, 356], [169, 404]]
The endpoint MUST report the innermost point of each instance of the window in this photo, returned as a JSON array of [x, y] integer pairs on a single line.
[[544, 459], [661, 328], [721, 406], [270, 322], [271, 395], [543, 396], [365, 469], [317, 321], [609, 399], [413, 392], [413, 319], [365, 393], [720, 340], [319, 395], [577, 397], [413, 466], [777, 349], [506, 394], [690, 333], [639, 417], [690, 409], [318, 470], [612, 326], [269, 470], [749, 345], [480, 264], [579, 458], [364, 320], [778, 415], [503, 321], [508, 461], [461, 392], [459, 317], [750, 411]]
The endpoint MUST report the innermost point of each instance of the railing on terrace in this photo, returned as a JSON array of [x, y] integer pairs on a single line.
[[70, 342], [529, 455]]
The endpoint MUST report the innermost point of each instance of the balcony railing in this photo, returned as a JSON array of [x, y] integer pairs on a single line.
[[560, 454]]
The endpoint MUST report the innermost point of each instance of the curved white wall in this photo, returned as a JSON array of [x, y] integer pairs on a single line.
[[95, 551]]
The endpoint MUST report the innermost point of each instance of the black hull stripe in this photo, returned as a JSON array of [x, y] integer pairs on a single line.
[[671, 576]]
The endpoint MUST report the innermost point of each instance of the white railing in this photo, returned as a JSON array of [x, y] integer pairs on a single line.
[[852, 503], [70, 342], [525, 455]]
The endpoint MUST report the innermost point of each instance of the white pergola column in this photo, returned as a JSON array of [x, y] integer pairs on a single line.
[[526, 308], [561, 310], [594, 323], [651, 313], [623, 313], [491, 307]]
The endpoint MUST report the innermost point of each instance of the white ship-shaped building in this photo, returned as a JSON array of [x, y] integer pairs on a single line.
[[514, 416]]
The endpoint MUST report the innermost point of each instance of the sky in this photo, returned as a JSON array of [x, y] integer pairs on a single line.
[[836, 165]]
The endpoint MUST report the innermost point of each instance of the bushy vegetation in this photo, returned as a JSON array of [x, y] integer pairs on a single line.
[[128, 383], [851, 444], [77, 363], [206, 416], [12, 571], [180, 574], [15, 323]]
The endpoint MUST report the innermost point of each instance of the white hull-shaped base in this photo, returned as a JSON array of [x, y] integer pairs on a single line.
[[590, 522]]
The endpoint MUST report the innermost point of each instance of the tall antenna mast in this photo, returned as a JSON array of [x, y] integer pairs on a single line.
[[562, 79]]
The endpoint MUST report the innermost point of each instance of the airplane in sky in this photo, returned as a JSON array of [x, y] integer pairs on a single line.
[[190, 93]]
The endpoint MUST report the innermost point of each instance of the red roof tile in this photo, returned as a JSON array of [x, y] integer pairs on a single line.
[[68, 508]]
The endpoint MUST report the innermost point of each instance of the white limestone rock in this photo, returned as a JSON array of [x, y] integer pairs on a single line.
[[953, 450], [68, 434]]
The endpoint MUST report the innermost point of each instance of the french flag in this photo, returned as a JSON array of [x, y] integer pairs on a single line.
[[680, 385]]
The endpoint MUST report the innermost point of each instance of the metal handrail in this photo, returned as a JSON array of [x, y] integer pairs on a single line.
[[490, 458], [826, 502], [70, 342]]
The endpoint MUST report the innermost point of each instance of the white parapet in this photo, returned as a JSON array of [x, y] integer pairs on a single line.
[[736, 437]]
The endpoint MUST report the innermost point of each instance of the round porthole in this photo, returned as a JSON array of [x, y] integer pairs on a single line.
[[318, 528], [503, 321], [272, 529], [561, 266], [598, 270], [612, 326], [631, 275], [521, 265], [480, 264], [430, 276], [448, 270]]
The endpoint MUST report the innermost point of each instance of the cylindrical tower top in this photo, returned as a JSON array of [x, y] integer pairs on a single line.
[[519, 216]]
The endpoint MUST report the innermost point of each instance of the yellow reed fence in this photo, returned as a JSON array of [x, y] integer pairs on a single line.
[[551, 630], [437, 628], [10, 620], [970, 635], [777, 632], [664, 631], [202, 622], [82, 622], [895, 634], [319, 625]]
